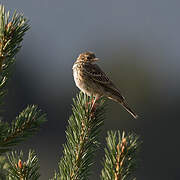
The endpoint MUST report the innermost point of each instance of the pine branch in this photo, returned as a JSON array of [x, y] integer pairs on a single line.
[[23, 170], [12, 31], [28, 122], [25, 125], [82, 139], [3, 168], [120, 156]]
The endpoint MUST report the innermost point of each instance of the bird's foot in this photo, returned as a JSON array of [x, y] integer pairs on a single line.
[[94, 105]]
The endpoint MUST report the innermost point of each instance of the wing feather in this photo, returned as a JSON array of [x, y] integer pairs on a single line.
[[94, 71], [96, 74]]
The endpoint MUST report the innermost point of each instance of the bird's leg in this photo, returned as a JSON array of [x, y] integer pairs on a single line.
[[94, 102], [84, 97], [91, 103]]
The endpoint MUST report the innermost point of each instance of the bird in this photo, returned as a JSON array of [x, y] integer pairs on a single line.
[[91, 80]]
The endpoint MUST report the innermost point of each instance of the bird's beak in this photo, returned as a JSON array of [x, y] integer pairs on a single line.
[[96, 59]]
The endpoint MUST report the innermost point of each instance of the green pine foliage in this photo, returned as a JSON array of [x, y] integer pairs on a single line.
[[12, 31], [3, 168], [26, 124], [81, 139], [29, 120], [120, 156], [20, 169]]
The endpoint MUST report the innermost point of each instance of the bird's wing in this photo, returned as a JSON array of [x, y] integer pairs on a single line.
[[94, 72]]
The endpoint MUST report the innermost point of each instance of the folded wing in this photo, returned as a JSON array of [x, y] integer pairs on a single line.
[[96, 74]]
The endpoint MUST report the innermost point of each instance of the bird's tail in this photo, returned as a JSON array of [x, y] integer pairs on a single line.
[[116, 96], [128, 109]]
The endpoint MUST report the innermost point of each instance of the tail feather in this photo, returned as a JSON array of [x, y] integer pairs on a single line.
[[128, 109], [116, 96]]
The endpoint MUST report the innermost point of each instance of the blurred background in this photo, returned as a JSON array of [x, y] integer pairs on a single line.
[[138, 43]]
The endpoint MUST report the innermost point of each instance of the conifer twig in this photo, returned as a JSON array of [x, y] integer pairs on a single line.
[[3, 168], [20, 169], [120, 156], [26, 124], [82, 139], [12, 31]]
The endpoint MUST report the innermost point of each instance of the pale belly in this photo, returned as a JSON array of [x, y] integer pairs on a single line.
[[81, 84], [86, 86]]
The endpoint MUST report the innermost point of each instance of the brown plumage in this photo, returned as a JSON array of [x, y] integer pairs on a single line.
[[90, 79]]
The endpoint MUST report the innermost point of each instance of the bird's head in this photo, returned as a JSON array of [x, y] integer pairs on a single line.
[[87, 57]]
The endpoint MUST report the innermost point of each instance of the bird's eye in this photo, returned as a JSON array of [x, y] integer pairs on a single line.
[[88, 57]]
